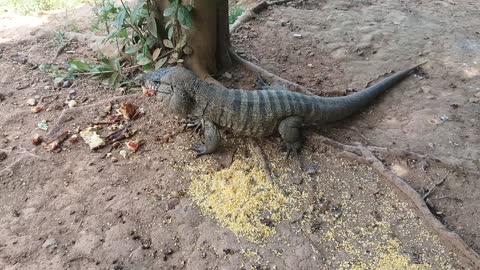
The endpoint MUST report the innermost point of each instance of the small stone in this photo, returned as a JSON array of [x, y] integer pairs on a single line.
[[297, 36], [124, 153], [310, 65], [37, 139], [227, 75], [114, 159], [3, 155], [72, 103], [311, 169], [36, 109], [444, 118], [72, 93], [31, 102], [67, 84], [74, 139]]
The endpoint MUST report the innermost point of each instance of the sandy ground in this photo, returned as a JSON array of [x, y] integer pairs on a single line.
[[160, 208]]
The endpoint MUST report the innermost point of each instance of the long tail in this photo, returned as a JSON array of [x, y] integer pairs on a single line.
[[331, 109]]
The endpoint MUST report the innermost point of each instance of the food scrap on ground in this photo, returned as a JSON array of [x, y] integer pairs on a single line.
[[91, 137]]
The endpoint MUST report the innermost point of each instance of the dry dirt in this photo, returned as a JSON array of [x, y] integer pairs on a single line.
[[160, 208]]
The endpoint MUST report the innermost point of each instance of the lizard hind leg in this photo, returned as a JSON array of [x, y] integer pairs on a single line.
[[290, 130], [212, 140]]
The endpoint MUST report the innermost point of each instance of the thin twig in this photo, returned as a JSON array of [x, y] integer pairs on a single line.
[[429, 192]]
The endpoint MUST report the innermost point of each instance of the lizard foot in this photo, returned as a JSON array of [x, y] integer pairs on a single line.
[[195, 124], [293, 148], [201, 149]]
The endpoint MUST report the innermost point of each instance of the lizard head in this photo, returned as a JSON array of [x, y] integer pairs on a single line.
[[173, 87]]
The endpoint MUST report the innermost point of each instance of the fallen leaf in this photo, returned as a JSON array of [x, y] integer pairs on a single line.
[[128, 110]]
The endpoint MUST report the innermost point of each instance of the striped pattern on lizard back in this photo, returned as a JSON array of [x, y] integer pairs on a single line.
[[257, 113]]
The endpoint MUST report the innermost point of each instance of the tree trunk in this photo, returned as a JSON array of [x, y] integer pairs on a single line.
[[209, 38]]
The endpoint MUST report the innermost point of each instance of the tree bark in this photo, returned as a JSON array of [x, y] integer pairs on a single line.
[[209, 38]]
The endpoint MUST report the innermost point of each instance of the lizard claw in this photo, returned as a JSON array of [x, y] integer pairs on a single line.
[[201, 149], [293, 148], [195, 124]]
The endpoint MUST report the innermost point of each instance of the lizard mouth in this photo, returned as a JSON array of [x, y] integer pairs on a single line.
[[147, 91]]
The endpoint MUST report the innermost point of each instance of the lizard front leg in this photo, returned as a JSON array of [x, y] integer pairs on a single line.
[[195, 124], [212, 140], [290, 130]]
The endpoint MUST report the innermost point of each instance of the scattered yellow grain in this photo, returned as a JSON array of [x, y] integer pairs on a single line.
[[242, 199]]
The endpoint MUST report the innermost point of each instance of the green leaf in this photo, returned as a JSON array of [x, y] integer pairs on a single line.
[[118, 67], [185, 17], [122, 33], [189, 7], [151, 41], [168, 43], [152, 25], [45, 67], [160, 63], [132, 49], [80, 66], [120, 18], [169, 11], [136, 14], [170, 32], [114, 80], [142, 59]]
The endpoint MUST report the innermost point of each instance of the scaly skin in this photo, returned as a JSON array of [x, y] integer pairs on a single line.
[[255, 113]]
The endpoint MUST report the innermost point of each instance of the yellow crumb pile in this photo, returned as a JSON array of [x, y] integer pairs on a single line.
[[242, 199], [390, 258]]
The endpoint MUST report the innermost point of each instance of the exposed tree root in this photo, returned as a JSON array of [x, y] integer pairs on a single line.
[[56, 129], [364, 155], [250, 13], [401, 153], [270, 77]]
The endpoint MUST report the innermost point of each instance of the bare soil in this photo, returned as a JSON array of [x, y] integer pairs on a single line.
[[83, 209]]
